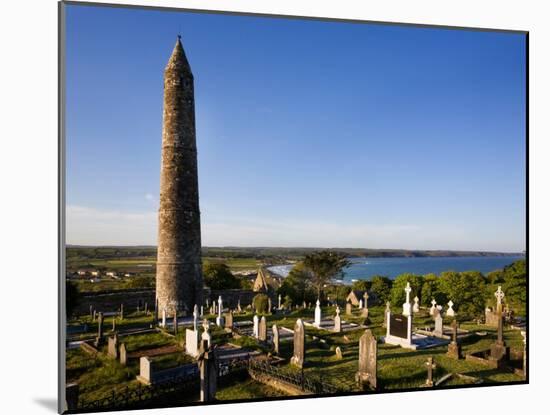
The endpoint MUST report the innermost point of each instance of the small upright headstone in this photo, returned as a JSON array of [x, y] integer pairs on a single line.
[[91, 312], [229, 320], [262, 330], [279, 302], [304, 305], [256, 322], [269, 305], [368, 350], [94, 315], [349, 311], [122, 355], [175, 324], [192, 342], [298, 357], [431, 366], [317, 322], [337, 321], [163, 323], [112, 347], [416, 306], [338, 353], [239, 308], [220, 319], [146, 309], [202, 311], [114, 323], [99, 338], [361, 303], [196, 317], [454, 349], [122, 311], [433, 307], [206, 333], [450, 312], [275, 338]]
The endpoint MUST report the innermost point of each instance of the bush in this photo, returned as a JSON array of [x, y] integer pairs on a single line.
[[261, 303]]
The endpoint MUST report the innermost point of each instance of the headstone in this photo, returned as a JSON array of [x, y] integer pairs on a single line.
[[192, 342], [112, 347], [239, 308], [196, 317], [145, 369], [208, 373], [338, 353], [304, 305], [337, 321], [220, 320], [275, 339], [229, 320], [438, 328], [407, 304], [431, 366], [91, 312], [368, 349], [163, 323], [349, 311], [122, 355], [256, 321], [279, 302], [72, 391], [317, 322], [262, 330], [298, 358], [175, 324], [269, 305], [206, 332], [94, 316], [416, 306], [361, 303], [99, 338], [499, 295], [454, 350], [450, 312], [388, 310], [146, 309], [114, 323], [202, 311], [122, 311], [499, 350], [433, 307]]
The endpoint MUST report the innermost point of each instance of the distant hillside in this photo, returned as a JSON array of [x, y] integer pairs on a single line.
[[269, 252]]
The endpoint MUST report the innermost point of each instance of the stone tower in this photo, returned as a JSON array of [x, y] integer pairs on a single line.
[[179, 274]]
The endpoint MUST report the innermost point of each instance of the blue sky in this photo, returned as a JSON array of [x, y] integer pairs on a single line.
[[309, 133]]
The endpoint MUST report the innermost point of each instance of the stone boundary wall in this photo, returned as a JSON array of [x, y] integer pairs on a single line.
[[111, 301]]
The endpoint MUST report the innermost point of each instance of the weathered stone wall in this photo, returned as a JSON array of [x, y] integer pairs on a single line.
[[231, 297], [179, 272], [111, 301]]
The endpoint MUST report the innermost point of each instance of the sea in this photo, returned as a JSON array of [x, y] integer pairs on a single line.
[[366, 268]]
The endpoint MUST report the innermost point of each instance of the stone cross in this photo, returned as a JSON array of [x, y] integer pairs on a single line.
[[450, 311], [366, 297], [407, 304], [208, 369], [433, 308], [275, 331], [337, 321], [298, 357], [195, 317], [262, 330], [256, 321], [499, 294], [368, 350], [386, 313], [431, 366], [416, 306], [317, 322]]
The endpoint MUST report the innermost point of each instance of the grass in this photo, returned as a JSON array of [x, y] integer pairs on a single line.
[[247, 389]]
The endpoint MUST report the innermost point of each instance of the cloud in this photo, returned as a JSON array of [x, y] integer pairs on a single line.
[[149, 196]]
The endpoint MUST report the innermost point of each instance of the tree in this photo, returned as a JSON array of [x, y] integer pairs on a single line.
[[515, 285], [398, 287], [323, 267], [361, 285], [218, 276], [466, 290], [381, 288], [261, 303], [431, 290], [296, 285]]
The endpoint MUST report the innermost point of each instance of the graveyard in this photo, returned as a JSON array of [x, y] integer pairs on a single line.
[[133, 358]]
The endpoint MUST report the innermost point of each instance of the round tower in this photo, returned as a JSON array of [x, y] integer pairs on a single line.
[[179, 267]]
